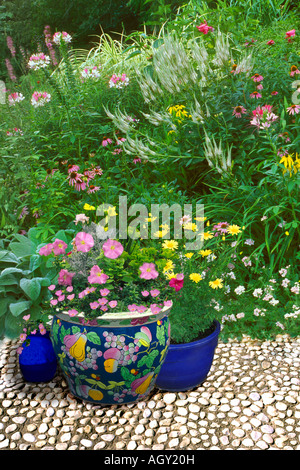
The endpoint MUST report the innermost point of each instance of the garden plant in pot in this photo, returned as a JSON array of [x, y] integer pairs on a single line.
[[200, 286], [110, 305], [24, 281]]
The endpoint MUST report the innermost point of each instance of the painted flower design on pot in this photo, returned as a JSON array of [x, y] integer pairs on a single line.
[[141, 385], [76, 345], [111, 356]]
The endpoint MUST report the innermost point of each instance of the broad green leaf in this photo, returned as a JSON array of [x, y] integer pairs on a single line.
[[19, 307], [31, 287]]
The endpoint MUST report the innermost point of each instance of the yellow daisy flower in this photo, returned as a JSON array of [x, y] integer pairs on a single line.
[[206, 235], [195, 277], [111, 212], [168, 266], [87, 207], [205, 252], [233, 229], [188, 255], [170, 244], [190, 226], [160, 233], [217, 283]]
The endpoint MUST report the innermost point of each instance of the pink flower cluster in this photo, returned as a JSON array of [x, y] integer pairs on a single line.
[[118, 81], [38, 61], [14, 98], [58, 247], [80, 181], [91, 72], [263, 116], [40, 98], [14, 132], [204, 28], [61, 37]]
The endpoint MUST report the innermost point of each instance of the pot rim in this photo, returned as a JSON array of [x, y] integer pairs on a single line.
[[202, 341], [112, 318]]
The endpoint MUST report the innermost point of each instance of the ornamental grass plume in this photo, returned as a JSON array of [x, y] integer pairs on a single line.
[[173, 66], [216, 156]]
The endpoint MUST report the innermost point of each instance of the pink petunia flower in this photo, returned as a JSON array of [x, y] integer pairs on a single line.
[[141, 308], [155, 309], [69, 289], [168, 303], [113, 303], [104, 292], [102, 301], [72, 312], [71, 296], [59, 247], [148, 271], [65, 277], [132, 308], [145, 293], [154, 292], [112, 249], [94, 305], [52, 287], [53, 301], [46, 250], [177, 282], [97, 276], [84, 242]]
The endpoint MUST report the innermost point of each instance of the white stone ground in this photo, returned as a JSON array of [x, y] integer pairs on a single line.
[[250, 400]]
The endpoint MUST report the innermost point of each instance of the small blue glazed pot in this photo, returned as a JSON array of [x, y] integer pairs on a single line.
[[37, 360], [187, 365]]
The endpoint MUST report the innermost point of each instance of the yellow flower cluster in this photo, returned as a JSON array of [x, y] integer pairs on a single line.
[[179, 111], [291, 165]]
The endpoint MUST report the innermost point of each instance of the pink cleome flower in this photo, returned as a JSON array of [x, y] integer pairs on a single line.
[[271, 42], [14, 98]]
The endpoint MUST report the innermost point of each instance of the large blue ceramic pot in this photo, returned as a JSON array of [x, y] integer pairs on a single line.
[[38, 362], [114, 359], [187, 365]]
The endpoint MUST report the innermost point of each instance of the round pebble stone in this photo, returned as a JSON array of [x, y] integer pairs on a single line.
[[247, 402]]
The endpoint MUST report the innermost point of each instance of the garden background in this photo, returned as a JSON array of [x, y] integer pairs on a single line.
[[180, 102]]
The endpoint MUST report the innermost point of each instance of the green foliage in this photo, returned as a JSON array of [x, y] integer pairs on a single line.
[[24, 282]]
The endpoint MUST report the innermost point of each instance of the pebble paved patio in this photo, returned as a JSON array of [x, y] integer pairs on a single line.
[[250, 400]]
